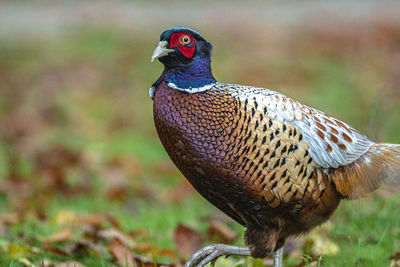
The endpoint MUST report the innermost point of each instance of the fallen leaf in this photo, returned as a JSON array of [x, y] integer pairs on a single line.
[[40, 214], [165, 168], [17, 251], [395, 260], [25, 262], [65, 217], [115, 234], [94, 220], [138, 232], [10, 218], [46, 263], [84, 248], [90, 232], [61, 236], [152, 250], [70, 264], [117, 193], [395, 263], [131, 166], [54, 250], [186, 240], [395, 256], [220, 233], [269, 261], [144, 262], [121, 253], [180, 192], [52, 163], [111, 219]]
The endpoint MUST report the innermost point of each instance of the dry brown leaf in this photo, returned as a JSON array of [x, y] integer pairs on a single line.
[[395, 260], [180, 192], [114, 221], [94, 220], [395, 256], [152, 250], [144, 192], [47, 263], [115, 234], [40, 213], [138, 233], [267, 261], [57, 157], [52, 164], [186, 240], [219, 232], [395, 263], [121, 253], [83, 248], [144, 262], [61, 236], [133, 166], [117, 193], [54, 250], [165, 168], [69, 264], [90, 233], [10, 218]]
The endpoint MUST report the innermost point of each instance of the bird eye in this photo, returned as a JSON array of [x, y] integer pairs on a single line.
[[185, 39]]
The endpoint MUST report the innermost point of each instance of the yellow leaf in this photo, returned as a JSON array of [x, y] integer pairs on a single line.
[[17, 251], [65, 217]]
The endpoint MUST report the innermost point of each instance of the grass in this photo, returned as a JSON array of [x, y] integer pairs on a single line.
[[77, 139]]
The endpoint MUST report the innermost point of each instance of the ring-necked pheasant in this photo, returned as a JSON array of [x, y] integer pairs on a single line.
[[275, 166]]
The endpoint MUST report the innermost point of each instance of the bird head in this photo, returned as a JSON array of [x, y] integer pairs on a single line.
[[179, 47]]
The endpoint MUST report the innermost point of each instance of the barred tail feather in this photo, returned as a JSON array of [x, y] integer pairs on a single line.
[[379, 164]]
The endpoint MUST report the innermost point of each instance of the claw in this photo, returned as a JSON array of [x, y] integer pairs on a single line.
[[213, 252]]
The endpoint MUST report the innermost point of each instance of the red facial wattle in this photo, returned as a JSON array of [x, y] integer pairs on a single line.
[[184, 42]]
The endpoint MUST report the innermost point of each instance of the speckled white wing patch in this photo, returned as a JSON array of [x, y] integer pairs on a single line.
[[332, 143]]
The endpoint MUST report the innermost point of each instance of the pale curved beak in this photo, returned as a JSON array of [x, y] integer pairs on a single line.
[[161, 50]]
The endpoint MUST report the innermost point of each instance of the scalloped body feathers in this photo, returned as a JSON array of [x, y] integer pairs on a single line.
[[272, 164]]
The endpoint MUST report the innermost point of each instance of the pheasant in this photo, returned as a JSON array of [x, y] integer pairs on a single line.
[[274, 165]]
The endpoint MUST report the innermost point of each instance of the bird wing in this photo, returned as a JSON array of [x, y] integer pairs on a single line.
[[332, 143]]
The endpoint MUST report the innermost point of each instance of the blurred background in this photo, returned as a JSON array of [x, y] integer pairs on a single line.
[[84, 179]]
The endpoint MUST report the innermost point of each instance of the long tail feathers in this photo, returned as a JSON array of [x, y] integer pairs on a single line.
[[379, 164]]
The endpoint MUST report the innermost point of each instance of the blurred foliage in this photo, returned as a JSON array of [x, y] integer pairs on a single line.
[[83, 177]]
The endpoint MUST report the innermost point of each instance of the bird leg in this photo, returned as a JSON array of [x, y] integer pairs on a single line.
[[212, 252], [278, 255]]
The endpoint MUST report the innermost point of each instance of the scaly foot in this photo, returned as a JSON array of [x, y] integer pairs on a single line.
[[212, 252]]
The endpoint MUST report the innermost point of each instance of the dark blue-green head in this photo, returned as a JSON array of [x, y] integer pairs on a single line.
[[180, 46], [186, 57]]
